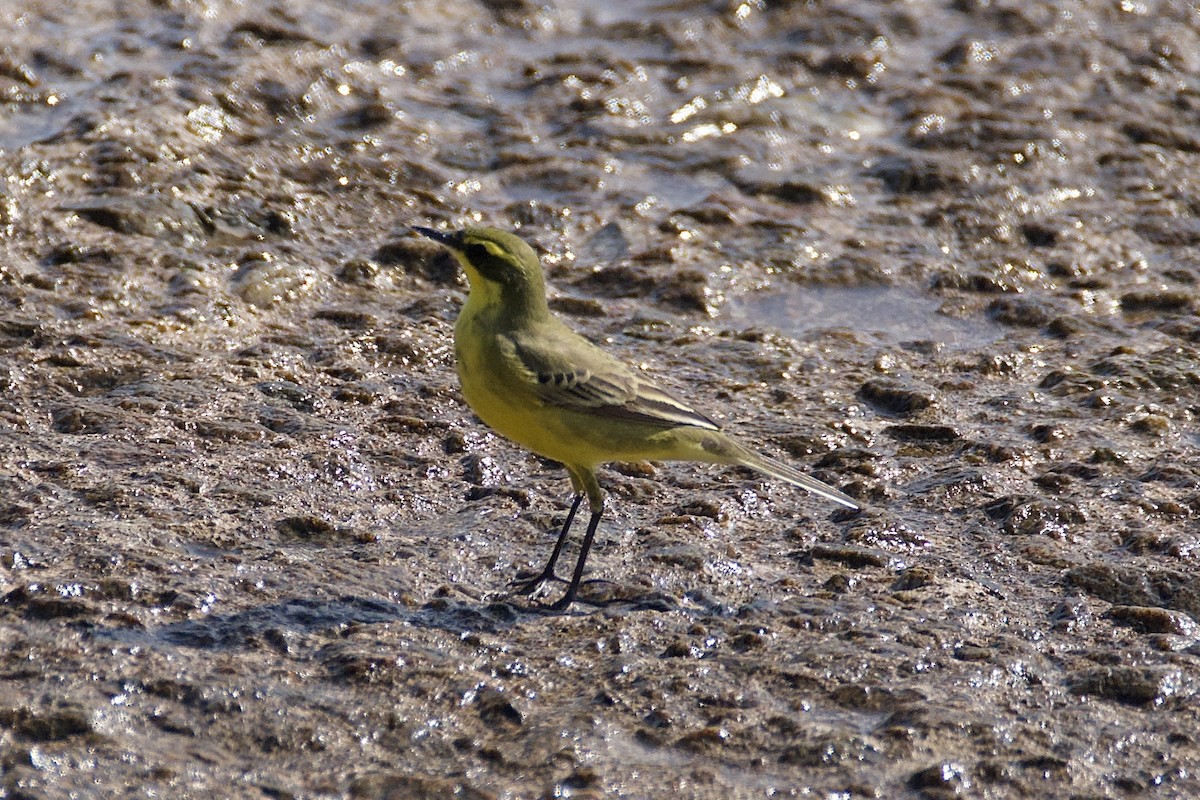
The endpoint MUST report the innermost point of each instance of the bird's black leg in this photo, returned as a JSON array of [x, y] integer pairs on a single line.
[[569, 597], [531, 585]]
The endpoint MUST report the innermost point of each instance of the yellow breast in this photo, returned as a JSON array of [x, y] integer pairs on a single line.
[[503, 399]]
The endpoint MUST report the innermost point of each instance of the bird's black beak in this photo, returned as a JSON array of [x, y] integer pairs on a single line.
[[448, 239]]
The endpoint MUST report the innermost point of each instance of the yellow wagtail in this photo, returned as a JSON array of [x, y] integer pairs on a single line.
[[537, 382]]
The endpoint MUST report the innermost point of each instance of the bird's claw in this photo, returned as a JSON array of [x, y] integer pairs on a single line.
[[532, 585]]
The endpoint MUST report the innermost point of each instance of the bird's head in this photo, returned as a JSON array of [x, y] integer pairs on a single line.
[[501, 268]]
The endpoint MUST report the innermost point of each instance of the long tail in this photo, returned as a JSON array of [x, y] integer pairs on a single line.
[[725, 450]]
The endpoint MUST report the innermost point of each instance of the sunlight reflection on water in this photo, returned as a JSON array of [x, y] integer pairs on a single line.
[[900, 314]]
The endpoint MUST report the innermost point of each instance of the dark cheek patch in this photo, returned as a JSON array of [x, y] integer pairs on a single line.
[[488, 265]]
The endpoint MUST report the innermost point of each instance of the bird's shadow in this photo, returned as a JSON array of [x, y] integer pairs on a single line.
[[274, 623]]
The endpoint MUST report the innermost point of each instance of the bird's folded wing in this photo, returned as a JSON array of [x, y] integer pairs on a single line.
[[570, 372]]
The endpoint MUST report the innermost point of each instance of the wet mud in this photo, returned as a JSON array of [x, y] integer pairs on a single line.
[[941, 255]]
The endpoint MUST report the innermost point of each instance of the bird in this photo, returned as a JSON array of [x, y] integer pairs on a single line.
[[537, 382]]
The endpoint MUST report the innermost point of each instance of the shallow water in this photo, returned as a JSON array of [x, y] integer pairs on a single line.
[[897, 314]]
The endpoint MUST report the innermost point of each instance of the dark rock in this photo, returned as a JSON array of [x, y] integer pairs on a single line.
[[56, 722], [853, 556], [931, 434], [894, 397], [1137, 686], [1149, 619]]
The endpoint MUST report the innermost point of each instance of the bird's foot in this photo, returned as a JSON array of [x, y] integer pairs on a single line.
[[534, 586], [608, 594], [563, 603], [531, 585], [602, 599]]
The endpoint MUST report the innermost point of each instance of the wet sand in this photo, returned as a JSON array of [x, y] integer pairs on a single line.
[[943, 256]]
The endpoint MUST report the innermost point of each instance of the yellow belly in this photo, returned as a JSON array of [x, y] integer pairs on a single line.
[[517, 418]]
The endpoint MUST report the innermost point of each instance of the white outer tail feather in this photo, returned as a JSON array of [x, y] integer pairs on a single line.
[[777, 469]]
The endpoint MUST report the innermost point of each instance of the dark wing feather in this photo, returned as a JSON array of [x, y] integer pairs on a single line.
[[568, 371]]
